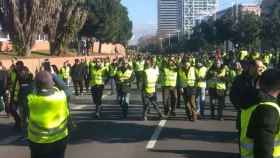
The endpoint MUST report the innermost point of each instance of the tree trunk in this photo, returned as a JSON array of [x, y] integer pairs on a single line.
[[22, 49], [100, 47], [54, 48]]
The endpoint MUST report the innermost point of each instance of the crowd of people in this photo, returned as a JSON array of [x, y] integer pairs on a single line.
[[184, 80]]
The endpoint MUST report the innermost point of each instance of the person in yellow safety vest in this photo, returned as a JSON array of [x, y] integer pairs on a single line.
[[181, 81], [255, 55], [150, 78], [260, 132], [190, 90], [138, 66], [169, 90], [98, 75], [201, 73], [243, 54], [211, 85], [267, 58], [65, 72], [220, 90], [124, 77], [112, 71], [13, 106], [48, 118]]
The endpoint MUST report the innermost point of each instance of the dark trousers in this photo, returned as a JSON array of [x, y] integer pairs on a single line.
[[220, 95], [51, 150], [212, 97], [138, 75], [97, 92], [169, 96], [190, 104], [87, 84], [124, 102], [150, 99], [179, 97], [12, 110], [78, 84]]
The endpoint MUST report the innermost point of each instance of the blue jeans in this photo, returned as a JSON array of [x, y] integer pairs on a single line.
[[124, 102], [201, 100]]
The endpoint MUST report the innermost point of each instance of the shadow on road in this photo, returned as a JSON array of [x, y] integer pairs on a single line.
[[198, 153], [125, 131]]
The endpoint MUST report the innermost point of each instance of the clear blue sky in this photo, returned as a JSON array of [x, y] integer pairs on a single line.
[[143, 13]]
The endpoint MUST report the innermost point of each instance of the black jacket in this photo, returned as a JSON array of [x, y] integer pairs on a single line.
[[4, 81], [243, 92], [263, 126], [77, 72]]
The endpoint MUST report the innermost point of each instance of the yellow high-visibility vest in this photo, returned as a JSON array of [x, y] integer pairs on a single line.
[[169, 78], [48, 117], [246, 143], [97, 76], [221, 85], [151, 75], [201, 73]]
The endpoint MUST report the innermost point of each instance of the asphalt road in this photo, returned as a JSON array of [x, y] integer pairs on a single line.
[[114, 137]]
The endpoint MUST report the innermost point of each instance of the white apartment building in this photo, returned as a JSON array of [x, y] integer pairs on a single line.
[[180, 16]]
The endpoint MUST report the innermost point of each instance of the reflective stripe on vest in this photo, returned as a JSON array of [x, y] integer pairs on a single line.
[[247, 144], [221, 85], [169, 78], [139, 65], [65, 72], [201, 73], [191, 77], [182, 78], [48, 116], [151, 75], [123, 76], [97, 76]]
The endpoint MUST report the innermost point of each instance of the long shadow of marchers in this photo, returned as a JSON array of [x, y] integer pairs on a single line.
[[199, 153], [136, 131], [7, 131], [126, 131]]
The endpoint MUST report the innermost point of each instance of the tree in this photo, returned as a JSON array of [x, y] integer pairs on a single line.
[[124, 33], [69, 20], [248, 30], [24, 20], [108, 22], [271, 24]]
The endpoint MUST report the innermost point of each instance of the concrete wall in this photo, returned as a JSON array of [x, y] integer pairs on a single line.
[[107, 48], [35, 63]]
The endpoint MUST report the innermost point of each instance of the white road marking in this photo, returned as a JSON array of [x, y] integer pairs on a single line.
[[151, 144], [79, 107], [83, 106]]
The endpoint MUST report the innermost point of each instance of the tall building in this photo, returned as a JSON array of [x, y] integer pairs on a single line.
[[180, 16], [194, 11], [167, 18]]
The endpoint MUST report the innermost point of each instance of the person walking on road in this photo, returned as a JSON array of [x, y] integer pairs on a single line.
[[4, 88], [98, 75], [48, 119], [124, 78], [260, 132], [220, 90], [77, 74], [201, 72], [169, 90], [150, 78]]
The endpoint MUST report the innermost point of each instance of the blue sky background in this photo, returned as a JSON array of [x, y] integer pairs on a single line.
[[143, 13]]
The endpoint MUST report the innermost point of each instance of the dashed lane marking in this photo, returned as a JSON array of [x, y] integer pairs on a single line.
[[152, 143]]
